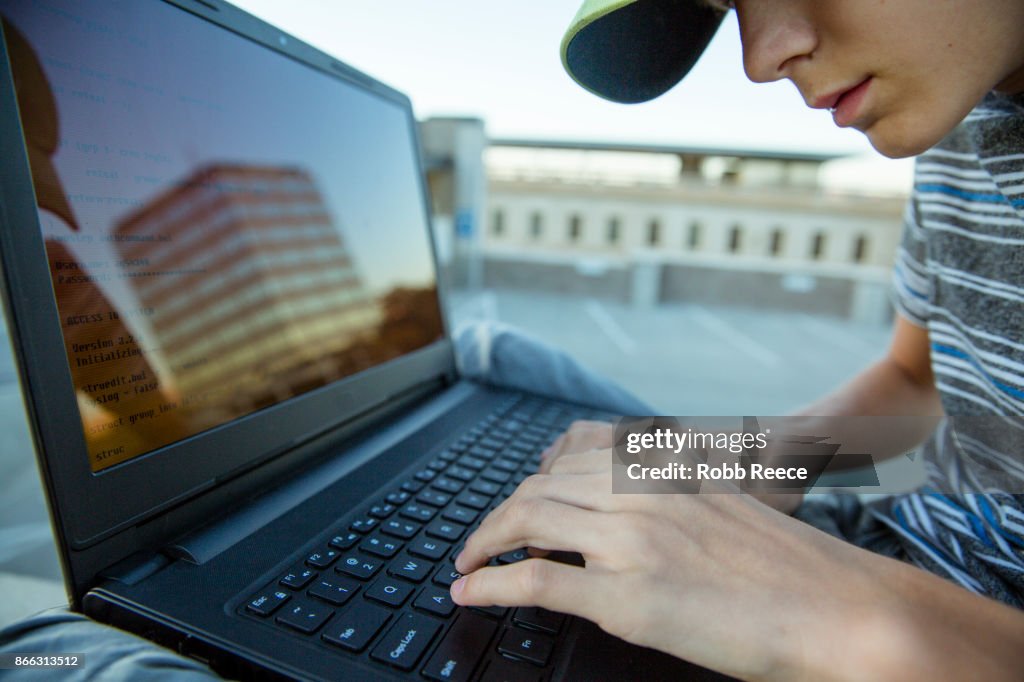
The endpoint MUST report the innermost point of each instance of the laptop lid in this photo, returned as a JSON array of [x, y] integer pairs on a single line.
[[215, 246]]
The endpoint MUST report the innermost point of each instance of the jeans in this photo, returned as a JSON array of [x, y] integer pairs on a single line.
[[487, 353]]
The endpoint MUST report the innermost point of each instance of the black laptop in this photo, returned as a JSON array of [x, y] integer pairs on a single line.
[[223, 296]]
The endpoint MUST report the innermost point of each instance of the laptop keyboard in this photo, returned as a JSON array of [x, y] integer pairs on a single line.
[[378, 588]]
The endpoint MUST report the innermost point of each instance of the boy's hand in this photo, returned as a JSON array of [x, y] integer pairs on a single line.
[[706, 577]]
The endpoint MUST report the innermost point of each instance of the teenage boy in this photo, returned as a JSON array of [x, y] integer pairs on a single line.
[[731, 583]]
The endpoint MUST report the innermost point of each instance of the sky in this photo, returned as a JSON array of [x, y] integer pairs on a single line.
[[500, 61]]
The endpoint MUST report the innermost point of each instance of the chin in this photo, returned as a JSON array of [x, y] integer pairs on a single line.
[[900, 146], [904, 134]]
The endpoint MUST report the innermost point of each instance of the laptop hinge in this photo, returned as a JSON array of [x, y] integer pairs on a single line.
[[136, 568]]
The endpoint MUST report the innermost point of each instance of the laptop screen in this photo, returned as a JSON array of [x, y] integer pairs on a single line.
[[226, 228]]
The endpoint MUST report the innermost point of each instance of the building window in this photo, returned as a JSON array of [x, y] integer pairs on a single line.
[[653, 232], [860, 249], [498, 223], [735, 238], [693, 235], [775, 245], [818, 245], [614, 230], [575, 227], [536, 225]]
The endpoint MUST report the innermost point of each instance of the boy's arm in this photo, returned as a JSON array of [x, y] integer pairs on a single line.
[[901, 383]]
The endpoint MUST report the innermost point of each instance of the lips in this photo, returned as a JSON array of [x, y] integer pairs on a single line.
[[845, 104]]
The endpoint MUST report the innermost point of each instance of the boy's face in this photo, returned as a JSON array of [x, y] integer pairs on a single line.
[[904, 72]]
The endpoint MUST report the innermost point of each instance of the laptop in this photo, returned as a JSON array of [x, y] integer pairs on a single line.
[[224, 301]]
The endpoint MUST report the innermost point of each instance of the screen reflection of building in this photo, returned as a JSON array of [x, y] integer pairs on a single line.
[[252, 294]]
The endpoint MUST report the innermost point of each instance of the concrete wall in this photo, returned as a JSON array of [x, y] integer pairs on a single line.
[[788, 250]]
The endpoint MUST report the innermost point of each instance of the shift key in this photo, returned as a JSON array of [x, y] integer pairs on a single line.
[[461, 649]]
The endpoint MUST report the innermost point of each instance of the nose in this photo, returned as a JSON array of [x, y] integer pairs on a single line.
[[776, 35]]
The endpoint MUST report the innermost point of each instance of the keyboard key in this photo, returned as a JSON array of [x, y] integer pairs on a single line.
[[471, 462], [438, 464], [356, 626], [505, 464], [305, 615], [460, 514], [494, 611], [323, 558], [482, 452], [345, 540], [398, 497], [485, 488], [335, 590], [400, 529], [446, 575], [265, 603], [425, 475], [449, 455], [491, 444], [358, 566], [502, 669], [406, 641], [496, 475], [460, 473], [382, 511], [418, 512], [448, 485], [514, 556], [410, 568], [389, 591], [434, 497], [429, 549], [381, 545], [539, 619], [473, 500], [529, 646], [437, 601], [446, 530], [461, 649], [298, 577], [364, 525], [412, 486]]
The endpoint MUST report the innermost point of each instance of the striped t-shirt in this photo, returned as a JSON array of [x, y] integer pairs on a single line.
[[960, 273]]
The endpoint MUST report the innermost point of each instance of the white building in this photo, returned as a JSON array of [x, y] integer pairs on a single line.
[[657, 225]]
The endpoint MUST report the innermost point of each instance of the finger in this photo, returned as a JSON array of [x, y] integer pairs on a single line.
[[581, 436], [547, 458], [531, 522], [533, 582], [551, 451]]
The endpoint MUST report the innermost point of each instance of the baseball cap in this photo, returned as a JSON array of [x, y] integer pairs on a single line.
[[631, 51]]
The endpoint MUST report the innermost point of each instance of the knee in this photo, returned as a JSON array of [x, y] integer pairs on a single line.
[[476, 346]]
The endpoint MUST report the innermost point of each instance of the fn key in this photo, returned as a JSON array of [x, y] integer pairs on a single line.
[[461, 649]]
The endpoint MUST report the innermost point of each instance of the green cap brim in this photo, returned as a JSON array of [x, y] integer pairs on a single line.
[[632, 51]]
